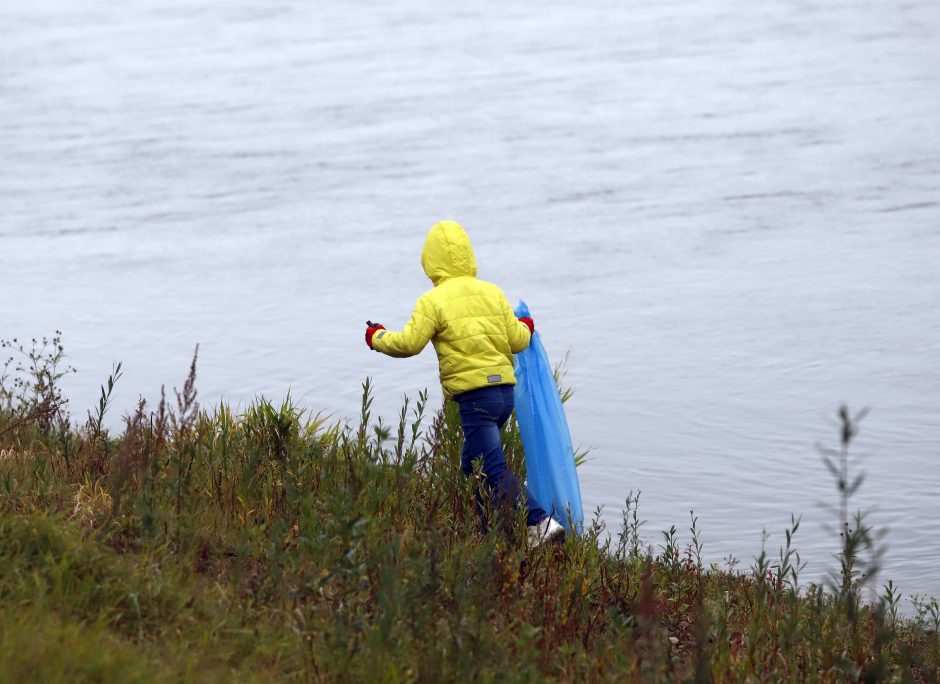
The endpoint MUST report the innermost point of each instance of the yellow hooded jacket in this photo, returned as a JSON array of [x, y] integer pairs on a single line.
[[469, 321]]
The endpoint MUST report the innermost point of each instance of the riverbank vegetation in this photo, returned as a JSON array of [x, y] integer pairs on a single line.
[[203, 544]]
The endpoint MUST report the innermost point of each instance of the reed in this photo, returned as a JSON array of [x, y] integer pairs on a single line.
[[206, 544]]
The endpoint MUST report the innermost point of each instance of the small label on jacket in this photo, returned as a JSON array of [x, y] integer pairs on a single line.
[[494, 378]]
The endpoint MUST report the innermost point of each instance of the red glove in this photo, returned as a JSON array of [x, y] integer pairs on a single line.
[[529, 322], [371, 330]]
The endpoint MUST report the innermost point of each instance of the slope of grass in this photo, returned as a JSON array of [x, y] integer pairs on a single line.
[[273, 545]]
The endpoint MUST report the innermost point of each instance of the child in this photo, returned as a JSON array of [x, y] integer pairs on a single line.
[[475, 334]]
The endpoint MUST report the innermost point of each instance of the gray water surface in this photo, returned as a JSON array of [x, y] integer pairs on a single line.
[[728, 212]]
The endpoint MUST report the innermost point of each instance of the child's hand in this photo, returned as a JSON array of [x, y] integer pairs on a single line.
[[371, 330], [529, 322]]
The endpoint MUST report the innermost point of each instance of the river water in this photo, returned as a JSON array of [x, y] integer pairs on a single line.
[[728, 213]]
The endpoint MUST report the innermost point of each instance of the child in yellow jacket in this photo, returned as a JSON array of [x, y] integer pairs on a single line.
[[475, 333]]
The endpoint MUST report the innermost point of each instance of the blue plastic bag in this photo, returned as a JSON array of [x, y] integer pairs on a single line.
[[549, 456]]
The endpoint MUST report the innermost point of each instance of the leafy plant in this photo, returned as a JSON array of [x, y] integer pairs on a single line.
[[30, 384]]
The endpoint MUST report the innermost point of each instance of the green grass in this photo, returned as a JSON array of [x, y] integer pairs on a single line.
[[272, 545]]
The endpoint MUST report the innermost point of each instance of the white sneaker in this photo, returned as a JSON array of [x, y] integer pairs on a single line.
[[548, 531]]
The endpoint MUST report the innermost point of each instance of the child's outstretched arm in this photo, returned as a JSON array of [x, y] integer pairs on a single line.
[[413, 337]]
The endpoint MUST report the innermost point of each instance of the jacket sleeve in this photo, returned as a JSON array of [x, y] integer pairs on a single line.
[[519, 335], [413, 337]]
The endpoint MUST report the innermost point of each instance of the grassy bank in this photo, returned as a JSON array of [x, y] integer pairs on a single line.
[[203, 545]]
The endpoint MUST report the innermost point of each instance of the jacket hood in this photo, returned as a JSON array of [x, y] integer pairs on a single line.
[[447, 252]]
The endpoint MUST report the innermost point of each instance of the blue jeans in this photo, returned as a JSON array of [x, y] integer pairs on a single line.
[[483, 412]]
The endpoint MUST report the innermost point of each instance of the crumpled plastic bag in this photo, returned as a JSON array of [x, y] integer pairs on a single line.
[[549, 455]]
